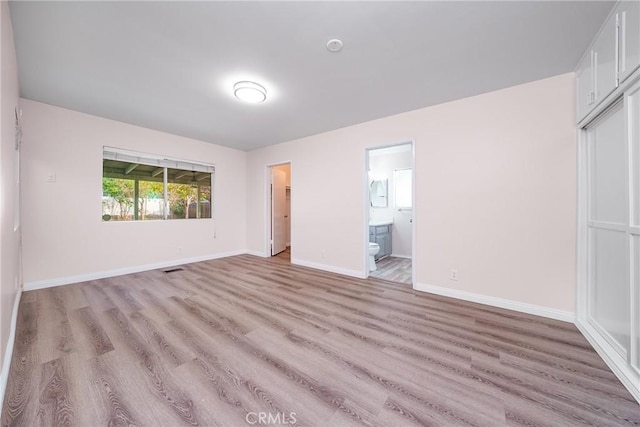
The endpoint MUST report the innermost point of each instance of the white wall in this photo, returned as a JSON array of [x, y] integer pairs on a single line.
[[9, 238], [495, 193], [64, 235], [401, 229]]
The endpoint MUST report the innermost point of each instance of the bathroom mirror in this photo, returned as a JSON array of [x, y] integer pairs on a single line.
[[378, 193]]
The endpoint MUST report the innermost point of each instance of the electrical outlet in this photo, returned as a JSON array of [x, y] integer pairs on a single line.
[[323, 254], [51, 177], [179, 249], [454, 275]]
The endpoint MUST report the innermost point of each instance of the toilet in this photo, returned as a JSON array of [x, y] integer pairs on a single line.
[[374, 248]]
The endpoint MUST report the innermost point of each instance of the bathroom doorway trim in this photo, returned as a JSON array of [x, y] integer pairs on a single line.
[[366, 204]]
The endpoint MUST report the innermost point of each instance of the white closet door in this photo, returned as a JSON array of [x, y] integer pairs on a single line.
[[633, 126], [609, 289], [605, 58]]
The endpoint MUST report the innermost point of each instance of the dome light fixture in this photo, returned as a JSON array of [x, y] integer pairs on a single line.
[[250, 92]]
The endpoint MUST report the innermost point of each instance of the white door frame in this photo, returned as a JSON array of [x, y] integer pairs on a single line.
[[267, 205], [367, 206]]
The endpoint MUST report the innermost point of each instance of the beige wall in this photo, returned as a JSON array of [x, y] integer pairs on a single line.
[[495, 193], [9, 238], [64, 235]]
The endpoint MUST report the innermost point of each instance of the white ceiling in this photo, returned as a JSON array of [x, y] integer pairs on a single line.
[[171, 65]]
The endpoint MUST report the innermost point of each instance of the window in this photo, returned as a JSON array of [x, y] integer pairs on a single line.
[[139, 187], [402, 179]]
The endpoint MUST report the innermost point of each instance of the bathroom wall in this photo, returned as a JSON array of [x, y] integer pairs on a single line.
[[495, 193], [384, 162]]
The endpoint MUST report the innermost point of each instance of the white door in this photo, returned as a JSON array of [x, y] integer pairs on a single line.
[[604, 60], [584, 86], [608, 226], [629, 21], [278, 211]]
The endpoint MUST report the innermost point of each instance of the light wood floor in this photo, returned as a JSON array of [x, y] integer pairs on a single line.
[[223, 339], [394, 269], [285, 255]]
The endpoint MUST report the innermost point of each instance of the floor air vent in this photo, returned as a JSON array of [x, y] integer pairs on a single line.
[[173, 270]]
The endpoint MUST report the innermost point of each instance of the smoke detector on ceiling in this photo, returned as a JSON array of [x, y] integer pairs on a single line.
[[334, 45]]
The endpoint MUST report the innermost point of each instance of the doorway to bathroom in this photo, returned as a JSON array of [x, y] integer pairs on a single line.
[[280, 211], [390, 214]]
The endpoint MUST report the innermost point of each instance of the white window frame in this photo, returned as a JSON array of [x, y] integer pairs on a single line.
[[112, 153]]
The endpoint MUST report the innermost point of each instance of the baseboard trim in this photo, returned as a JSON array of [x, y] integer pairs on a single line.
[[48, 283], [401, 256], [257, 253], [8, 353], [329, 268], [551, 313], [611, 358]]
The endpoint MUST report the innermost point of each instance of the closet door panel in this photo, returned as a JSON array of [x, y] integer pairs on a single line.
[[605, 58], [610, 296], [609, 306], [584, 87], [609, 168], [629, 21], [633, 126], [636, 309]]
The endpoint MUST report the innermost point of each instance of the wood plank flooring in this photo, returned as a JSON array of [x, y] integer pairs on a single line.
[[394, 269], [224, 342]]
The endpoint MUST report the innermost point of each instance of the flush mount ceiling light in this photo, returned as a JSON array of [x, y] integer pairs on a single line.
[[250, 92]]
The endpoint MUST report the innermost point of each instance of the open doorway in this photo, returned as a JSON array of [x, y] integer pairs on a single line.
[[280, 211], [390, 213]]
